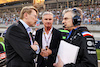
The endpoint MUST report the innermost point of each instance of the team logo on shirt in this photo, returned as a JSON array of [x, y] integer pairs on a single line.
[[89, 43]]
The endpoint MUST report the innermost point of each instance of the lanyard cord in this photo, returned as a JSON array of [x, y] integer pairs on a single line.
[[47, 41]]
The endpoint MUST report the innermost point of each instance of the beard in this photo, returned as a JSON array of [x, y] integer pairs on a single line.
[[48, 28]]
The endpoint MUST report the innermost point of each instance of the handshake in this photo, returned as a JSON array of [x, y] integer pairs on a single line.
[[44, 52]]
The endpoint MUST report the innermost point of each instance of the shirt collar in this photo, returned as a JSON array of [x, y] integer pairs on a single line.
[[51, 29], [25, 25], [71, 32]]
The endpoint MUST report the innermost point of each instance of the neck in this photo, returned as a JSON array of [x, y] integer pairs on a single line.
[[25, 21], [74, 27], [71, 28], [47, 29]]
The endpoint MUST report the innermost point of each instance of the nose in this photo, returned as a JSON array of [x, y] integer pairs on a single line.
[[63, 22], [48, 21]]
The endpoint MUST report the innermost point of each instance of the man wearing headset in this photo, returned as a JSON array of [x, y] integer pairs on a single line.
[[81, 37]]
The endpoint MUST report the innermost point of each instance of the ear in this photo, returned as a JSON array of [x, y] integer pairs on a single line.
[[25, 15]]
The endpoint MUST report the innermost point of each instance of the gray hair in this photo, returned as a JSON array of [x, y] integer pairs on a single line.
[[71, 10], [46, 13]]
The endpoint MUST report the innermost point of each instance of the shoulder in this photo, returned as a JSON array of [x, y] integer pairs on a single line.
[[13, 25], [56, 30], [39, 30], [86, 33], [14, 28], [82, 29]]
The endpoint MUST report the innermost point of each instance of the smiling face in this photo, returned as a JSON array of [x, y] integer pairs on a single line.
[[47, 20], [67, 20]]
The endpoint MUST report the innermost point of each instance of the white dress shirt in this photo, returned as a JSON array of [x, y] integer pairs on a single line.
[[46, 38]]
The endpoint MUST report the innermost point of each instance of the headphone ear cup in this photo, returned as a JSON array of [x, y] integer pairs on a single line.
[[76, 20]]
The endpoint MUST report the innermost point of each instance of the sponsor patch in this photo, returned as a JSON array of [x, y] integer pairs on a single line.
[[91, 48], [89, 39], [91, 52]]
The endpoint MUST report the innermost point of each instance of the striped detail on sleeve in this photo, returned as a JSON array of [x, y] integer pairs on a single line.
[[86, 33]]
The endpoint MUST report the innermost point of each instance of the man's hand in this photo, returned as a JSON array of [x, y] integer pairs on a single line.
[[48, 51], [35, 43], [59, 63], [45, 52], [34, 46]]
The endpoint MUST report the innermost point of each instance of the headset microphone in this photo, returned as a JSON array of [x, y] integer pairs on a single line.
[[63, 26], [67, 27]]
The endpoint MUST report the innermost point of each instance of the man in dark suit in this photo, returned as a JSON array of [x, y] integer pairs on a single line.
[[49, 40], [20, 49]]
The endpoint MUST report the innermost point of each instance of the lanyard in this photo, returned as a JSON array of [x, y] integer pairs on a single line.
[[71, 32], [47, 39]]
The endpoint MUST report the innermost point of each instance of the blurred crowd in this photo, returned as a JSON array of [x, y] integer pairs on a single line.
[[9, 16], [91, 15]]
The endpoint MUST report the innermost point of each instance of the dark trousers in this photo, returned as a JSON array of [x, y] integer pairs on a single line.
[[44, 63]]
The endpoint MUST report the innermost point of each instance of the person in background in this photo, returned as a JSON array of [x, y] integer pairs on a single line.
[[81, 37], [64, 33], [34, 32], [49, 39], [20, 48]]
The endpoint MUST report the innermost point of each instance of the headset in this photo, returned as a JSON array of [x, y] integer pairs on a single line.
[[76, 19]]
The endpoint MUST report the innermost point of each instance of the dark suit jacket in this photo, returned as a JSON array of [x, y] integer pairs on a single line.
[[54, 45], [19, 52]]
